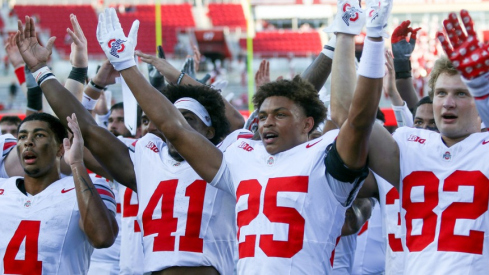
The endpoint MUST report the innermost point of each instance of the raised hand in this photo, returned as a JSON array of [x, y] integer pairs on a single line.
[[106, 75], [160, 64], [35, 56], [262, 76], [401, 48], [118, 48], [467, 54], [155, 78], [13, 52], [79, 52], [74, 150]]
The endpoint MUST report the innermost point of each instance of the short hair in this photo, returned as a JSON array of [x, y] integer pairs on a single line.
[[422, 101], [442, 65], [117, 106], [298, 90], [54, 124], [210, 99], [10, 120]]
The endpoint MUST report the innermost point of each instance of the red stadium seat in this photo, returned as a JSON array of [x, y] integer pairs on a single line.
[[228, 15], [282, 43]]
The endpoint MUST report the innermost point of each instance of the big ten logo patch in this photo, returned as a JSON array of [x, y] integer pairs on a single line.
[[415, 138], [152, 147], [245, 146]]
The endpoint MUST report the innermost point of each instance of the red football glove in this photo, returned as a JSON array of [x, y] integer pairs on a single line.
[[465, 51]]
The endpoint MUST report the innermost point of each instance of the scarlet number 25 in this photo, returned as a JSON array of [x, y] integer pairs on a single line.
[[278, 214]]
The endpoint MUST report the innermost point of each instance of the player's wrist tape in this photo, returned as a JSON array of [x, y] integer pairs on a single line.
[[97, 87], [34, 98], [20, 74], [125, 64], [42, 75], [479, 86], [328, 49], [372, 64], [402, 68], [180, 78], [88, 102], [78, 74]]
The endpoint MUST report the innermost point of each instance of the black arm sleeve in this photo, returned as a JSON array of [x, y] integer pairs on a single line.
[[338, 170]]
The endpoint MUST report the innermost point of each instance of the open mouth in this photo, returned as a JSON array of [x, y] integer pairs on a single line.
[[449, 117], [29, 158], [269, 137]]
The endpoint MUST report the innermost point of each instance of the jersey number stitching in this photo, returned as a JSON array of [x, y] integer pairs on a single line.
[[278, 214], [28, 230]]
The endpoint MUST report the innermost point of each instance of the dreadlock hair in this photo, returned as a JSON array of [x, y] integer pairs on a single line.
[[298, 90], [210, 99]]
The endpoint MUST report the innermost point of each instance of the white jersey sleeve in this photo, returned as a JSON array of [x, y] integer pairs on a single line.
[[370, 249], [7, 143], [403, 115], [344, 255]]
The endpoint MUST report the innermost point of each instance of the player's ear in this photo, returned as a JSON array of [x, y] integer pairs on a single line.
[[308, 124], [210, 132], [61, 150]]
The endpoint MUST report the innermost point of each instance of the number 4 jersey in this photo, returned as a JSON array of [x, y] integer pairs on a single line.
[[40, 234], [444, 200], [185, 221]]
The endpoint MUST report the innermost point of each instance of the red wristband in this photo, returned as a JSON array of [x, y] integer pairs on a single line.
[[19, 72]]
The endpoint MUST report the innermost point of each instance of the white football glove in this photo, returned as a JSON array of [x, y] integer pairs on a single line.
[[378, 12], [349, 18], [118, 48]]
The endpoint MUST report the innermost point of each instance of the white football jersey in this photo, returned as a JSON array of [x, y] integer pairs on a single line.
[[131, 254], [444, 200], [7, 143], [131, 260], [105, 261], [370, 249], [391, 227], [288, 217], [185, 221], [40, 234], [344, 255]]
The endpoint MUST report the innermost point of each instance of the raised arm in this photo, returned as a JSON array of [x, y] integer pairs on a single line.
[[105, 147], [201, 154], [172, 75], [78, 59], [402, 51], [357, 215], [318, 72], [96, 220], [470, 58]]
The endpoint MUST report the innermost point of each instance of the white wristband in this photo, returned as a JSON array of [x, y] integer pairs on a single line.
[[403, 115], [88, 102], [328, 49], [372, 64], [42, 75]]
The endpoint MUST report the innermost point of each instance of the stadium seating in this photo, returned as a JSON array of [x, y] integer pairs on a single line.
[[283, 43], [56, 19], [227, 15], [173, 18]]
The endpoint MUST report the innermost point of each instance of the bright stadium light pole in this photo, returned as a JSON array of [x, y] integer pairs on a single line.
[[159, 39], [250, 34]]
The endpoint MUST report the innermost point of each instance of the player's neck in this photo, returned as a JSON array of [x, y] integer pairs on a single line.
[[35, 185], [449, 142]]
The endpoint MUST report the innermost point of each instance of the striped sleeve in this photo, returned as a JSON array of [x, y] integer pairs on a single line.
[[9, 143], [106, 194]]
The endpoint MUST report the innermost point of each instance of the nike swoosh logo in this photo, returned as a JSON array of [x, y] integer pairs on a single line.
[[484, 142], [310, 145], [66, 190]]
